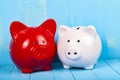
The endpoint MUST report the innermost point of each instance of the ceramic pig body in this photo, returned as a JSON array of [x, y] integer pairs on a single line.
[[33, 49], [79, 47]]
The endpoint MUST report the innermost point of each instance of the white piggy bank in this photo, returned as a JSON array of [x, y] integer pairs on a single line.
[[78, 47]]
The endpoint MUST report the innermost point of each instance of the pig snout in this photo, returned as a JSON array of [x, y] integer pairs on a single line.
[[40, 53], [73, 53]]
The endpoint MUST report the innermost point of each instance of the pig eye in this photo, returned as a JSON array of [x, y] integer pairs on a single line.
[[68, 40], [43, 41], [36, 42], [68, 53], [78, 28], [75, 53], [78, 41]]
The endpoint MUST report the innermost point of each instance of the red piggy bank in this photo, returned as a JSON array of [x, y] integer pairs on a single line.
[[33, 48]]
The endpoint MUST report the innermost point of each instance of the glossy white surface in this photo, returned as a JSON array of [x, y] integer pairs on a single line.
[[79, 46]]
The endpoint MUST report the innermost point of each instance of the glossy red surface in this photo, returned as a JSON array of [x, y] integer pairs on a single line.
[[33, 48]]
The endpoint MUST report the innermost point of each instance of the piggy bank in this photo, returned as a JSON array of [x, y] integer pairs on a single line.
[[33, 48], [78, 47]]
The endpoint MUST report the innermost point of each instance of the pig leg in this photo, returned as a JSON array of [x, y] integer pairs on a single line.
[[27, 70], [90, 67], [66, 66], [47, 68]]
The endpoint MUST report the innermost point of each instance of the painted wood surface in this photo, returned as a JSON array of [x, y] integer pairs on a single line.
[[103, 70], [103, 14]]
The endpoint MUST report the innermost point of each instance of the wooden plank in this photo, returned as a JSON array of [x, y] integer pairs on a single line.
[[86, 15], [59, 10], [5, 72], [18, 75], [42, 75], [60, 73], [0, 37], [105, 72], [32, 12], [81, 74], [114, 64]]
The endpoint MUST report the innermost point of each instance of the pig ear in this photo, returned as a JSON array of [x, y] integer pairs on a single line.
[[15, 28], [91, 30], [63, 29], [49, 25]]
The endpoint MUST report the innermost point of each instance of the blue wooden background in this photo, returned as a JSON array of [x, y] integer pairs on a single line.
[[103, 14]]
